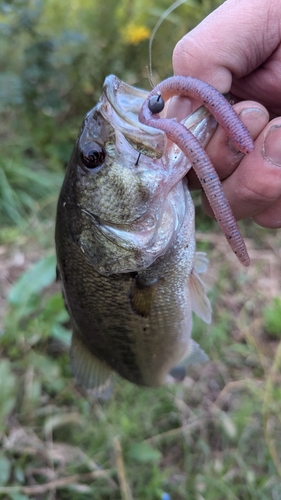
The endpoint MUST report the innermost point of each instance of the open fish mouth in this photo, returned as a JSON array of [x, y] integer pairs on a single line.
[[121, 103], [125, 103]]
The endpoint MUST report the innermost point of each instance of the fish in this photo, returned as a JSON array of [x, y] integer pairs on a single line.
[[125, 243]]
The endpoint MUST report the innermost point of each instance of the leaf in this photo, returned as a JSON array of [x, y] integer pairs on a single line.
[[18, 474], [38, 277], [62, 334], [61, 420], [272, 317], [5, 469], [143, 452], [228, 425], [10, 90], [7, 390], [18, 496]]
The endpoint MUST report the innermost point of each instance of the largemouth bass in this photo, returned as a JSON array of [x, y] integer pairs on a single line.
[[125, 242]]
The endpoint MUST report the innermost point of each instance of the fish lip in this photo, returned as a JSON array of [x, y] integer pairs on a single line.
[[112, 86]]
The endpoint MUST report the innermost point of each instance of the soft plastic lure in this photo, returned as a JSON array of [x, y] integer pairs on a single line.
[[222, 110]]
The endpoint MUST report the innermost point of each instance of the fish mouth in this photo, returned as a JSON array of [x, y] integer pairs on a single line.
[[120, 105], [134, 245]]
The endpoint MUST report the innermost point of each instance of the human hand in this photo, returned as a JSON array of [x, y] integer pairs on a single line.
[[238, 49]]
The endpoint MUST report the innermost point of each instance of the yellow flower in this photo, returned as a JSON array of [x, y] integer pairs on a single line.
[[134, 34]]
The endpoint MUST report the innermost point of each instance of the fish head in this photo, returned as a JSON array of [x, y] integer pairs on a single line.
[[124, 184], [109, 180]]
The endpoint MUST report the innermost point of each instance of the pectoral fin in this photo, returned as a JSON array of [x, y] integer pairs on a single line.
[[194, 356], [141, 295], [89, 371], [199, 301], [201, 262]]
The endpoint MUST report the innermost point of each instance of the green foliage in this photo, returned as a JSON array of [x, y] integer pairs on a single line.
[[54, 59], [5, 469], [142, 452], [7, 392], [40, 315], [23, 187], [39, 276], [272, 317], [216, 435]]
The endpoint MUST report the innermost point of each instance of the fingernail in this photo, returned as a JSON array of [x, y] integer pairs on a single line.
[[272, 145], [255, 120], [254, 111]]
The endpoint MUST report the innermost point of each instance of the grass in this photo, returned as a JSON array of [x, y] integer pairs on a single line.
[[215, 436]]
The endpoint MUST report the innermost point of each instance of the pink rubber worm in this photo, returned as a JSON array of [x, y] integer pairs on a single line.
[[222, 110]]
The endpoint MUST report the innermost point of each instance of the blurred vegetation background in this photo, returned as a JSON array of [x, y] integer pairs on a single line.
[[215, 436]]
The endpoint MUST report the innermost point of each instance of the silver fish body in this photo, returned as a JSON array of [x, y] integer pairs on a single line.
[[125, 242]]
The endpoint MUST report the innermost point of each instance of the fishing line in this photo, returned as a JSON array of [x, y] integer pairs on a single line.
[[162, 18]]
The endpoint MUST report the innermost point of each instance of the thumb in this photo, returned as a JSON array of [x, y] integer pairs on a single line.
[[230, 43]]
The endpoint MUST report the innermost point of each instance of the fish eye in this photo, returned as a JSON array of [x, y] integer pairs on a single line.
[[93, 156]]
